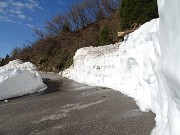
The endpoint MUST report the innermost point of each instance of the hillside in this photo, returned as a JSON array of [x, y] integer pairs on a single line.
[[90, 23]]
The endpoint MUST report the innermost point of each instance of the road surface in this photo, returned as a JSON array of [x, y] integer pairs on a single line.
[[69, 108]]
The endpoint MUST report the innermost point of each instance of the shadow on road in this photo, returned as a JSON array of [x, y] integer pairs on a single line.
[[52, 86]]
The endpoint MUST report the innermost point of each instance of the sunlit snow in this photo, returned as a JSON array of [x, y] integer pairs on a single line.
[[18, 78]]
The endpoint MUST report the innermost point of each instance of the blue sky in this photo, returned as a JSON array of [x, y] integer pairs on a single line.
[[18, 18]]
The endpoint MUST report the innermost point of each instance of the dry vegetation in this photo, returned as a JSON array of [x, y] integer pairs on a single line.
[[90, 23]]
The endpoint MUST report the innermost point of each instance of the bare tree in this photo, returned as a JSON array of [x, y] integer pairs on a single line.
[[80, 15], [74, 17], [52, 28], [38, 34]]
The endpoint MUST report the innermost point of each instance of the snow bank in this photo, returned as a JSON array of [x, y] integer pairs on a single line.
[[167, 100], [127, 67], [17, 79], [145, 67]]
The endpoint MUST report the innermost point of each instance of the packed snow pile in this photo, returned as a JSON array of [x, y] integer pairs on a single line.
[[127, 67], [18, 78]]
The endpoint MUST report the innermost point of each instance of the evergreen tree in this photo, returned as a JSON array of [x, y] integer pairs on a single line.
[[137, 11], [7, 57], [6, 60], [2, 62], [66, 27], [103, 35], [15, 53]]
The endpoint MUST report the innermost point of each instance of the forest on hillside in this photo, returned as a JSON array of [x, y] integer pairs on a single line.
[[90, 23]]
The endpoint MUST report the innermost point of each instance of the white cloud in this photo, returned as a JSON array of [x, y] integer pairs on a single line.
[[2, 17], [22, 16], [11, 21], [33, 5], [1, 11], [11, 10], [29, 6], [16, 11], [61, 3], [32, 1], [3, 4], [19, 11], [30, 19], [6, 19], [41, 8], [18, 5], [31, 26]]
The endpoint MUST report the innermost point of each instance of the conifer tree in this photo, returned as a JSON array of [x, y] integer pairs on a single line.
[[103, 35], [137, 11]]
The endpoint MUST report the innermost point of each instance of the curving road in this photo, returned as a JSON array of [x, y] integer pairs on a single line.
[[69, 108]]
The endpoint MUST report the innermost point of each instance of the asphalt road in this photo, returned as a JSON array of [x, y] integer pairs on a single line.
[[69, 108]]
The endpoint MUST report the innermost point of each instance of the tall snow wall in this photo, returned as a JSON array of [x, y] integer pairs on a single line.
[[168, 107], [128, 67], [145, 67]]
